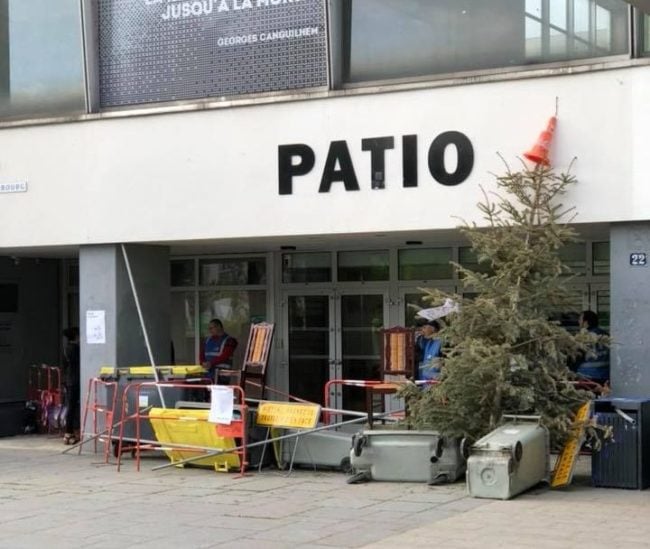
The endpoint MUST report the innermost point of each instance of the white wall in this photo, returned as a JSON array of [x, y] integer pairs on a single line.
[[214, 173]]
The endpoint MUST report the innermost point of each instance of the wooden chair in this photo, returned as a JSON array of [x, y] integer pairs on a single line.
[[397, 364], [398, 352], [256, 358]]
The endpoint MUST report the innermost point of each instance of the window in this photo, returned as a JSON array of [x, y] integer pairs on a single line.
[[467, 258], [398, 39], [309, 267], [600, 258], [645, 35], [425, 264], [237, 309], [230, 289], [182, 327], [412, 304], [561, 30], [574, 256], [41, 58], [601, 305], [363, 266], [232, 272], [387, 39], [182, 272]]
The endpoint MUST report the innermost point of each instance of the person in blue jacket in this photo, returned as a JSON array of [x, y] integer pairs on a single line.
[[429, 349], [217, 351], [595, 364]]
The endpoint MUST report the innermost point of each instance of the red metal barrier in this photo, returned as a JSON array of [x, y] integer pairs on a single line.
[[237, 428], [104, 410]]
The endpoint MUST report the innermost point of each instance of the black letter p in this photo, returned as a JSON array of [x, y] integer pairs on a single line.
[[287, 169]]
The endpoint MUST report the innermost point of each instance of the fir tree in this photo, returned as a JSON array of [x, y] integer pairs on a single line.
[[505, 354]]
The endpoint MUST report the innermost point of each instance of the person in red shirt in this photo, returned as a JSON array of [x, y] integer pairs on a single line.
[[217, 350]]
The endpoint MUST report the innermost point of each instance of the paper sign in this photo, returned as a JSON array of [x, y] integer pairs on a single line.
[[221, 404], [449, 306], [95, 327], [143, 401], [288, 415]]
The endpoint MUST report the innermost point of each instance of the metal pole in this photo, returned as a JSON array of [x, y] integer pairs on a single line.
[[283, 437], [142, 324]]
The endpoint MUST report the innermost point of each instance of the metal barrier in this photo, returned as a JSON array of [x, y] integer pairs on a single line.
[[104, 410], [372, 386]]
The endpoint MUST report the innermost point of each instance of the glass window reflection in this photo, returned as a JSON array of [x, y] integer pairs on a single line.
[[41, 58], [397, 39]]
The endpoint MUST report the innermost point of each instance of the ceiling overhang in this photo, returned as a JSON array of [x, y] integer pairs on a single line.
[[643, 5]]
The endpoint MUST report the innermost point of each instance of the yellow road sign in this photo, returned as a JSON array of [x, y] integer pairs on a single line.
[[288, 415], [563, 472]]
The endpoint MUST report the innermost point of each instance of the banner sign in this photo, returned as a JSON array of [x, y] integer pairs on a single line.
[[167, 50]]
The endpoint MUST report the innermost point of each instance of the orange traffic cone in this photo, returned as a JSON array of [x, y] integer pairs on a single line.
[[539, 154]]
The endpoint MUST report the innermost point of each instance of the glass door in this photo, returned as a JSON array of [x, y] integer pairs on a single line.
[[360, 317], [599, 303], [413, 300], [333, 337], [310, 349]]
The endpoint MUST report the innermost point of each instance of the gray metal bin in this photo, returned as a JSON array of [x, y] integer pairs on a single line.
[[406, 456], [329, 449], [624, 460], [149, 395], [509, 460]]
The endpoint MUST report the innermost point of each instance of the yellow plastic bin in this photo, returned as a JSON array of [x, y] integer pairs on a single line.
[[191, 427]]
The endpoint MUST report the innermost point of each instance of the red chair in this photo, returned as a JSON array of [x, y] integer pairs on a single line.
[[397, 365], [252, 375]]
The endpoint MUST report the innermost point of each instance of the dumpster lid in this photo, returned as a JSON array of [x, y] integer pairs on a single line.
[[146, 371], [188, 370]]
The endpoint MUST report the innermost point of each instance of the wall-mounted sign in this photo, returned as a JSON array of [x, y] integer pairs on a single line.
[[95, 327], [155, 50], [299, 159], [638, 259], [14, 187]]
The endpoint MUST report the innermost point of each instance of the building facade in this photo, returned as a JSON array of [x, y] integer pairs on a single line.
[[304, 162]]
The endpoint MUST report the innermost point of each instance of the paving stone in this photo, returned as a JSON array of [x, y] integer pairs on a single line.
[[45, 495]]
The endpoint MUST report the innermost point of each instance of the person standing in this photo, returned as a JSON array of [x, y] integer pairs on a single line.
[[72, 377], [217, 350], [429, 348]]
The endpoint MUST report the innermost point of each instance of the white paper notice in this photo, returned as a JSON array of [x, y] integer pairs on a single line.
[[221, 404], [95, 327]]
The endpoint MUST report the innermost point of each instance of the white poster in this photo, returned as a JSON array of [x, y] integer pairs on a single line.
[[221, 404], [95, 327]]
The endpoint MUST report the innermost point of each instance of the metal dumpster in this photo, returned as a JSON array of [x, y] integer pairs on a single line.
[[149, 395], [406, 456], [330, 449], [509, 460]]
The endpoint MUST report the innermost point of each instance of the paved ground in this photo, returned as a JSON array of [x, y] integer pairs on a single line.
[[62, 501]]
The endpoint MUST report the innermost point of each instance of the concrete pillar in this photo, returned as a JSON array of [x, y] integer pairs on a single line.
[[630, 311], [104, 286]]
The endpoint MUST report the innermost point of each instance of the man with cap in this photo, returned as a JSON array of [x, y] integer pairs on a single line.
[[429, 348]]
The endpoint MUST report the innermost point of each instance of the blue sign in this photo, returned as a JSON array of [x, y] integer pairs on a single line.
[[638, 259]]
